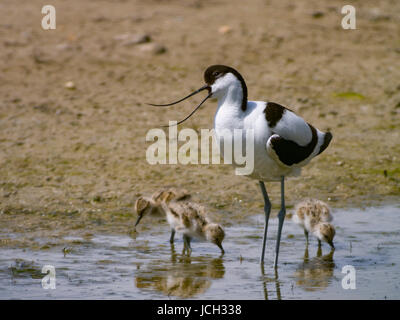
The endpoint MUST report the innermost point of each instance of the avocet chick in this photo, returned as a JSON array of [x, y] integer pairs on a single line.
[[152, 205], [190, 219], [170, 194], [314, 216]]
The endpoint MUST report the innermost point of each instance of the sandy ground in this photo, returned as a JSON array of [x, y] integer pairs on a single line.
[[72, 160]]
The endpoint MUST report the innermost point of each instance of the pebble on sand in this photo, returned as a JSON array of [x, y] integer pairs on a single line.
[[154, 48], [317, 14], [70, 85], [128, 39], [224, 29]]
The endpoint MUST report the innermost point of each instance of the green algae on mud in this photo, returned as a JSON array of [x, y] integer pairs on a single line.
[[349, 95]]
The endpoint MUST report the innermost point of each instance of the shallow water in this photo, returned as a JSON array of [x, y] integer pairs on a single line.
[[147, 267]]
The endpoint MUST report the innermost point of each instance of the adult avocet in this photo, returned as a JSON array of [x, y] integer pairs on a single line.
[[283, 141]]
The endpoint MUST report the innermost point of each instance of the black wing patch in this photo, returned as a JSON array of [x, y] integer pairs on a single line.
[[274, 112], [290, 152]]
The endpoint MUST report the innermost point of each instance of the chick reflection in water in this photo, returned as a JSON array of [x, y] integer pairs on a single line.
[[314, 217], [316, 273], [186, 277]]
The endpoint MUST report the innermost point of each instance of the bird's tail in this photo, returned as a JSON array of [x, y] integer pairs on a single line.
[[327, 139]]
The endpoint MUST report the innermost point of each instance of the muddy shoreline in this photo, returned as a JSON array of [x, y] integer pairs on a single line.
[[72, 157]]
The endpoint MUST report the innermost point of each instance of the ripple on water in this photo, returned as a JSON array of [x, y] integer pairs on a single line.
[[147, 267]]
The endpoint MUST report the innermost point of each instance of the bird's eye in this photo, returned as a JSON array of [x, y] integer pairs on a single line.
[[216, 73]]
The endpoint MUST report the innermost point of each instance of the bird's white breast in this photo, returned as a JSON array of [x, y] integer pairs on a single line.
[[230, 117]]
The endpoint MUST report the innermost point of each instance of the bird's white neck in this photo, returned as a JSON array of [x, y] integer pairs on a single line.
[[229, 105], [231, 97]]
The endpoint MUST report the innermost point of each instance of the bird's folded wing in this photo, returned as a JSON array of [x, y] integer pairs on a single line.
[[293, 140]]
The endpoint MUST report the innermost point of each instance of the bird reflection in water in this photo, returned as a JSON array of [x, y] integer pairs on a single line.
[[316, 273], [183, 276], [274, 280]]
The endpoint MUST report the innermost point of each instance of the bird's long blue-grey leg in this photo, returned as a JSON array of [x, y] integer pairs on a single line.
[[171, 239], [267, 210], [281, 217]]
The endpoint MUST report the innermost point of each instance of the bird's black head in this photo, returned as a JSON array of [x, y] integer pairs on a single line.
[[218, 79], [217, 71]]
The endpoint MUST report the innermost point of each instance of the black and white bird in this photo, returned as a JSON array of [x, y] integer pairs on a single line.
[[283, 141]]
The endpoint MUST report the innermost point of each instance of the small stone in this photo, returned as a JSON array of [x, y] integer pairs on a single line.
[[224, 29], [375, 14], [65, 47], [98, 198], [14, 43], [100, 19], [132, 39], [70, 85], [302, 100], [385, 173], [318, 14], [153, 48], [40, 57]]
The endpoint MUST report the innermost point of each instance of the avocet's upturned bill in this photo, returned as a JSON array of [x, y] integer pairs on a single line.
[[283, 141]]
